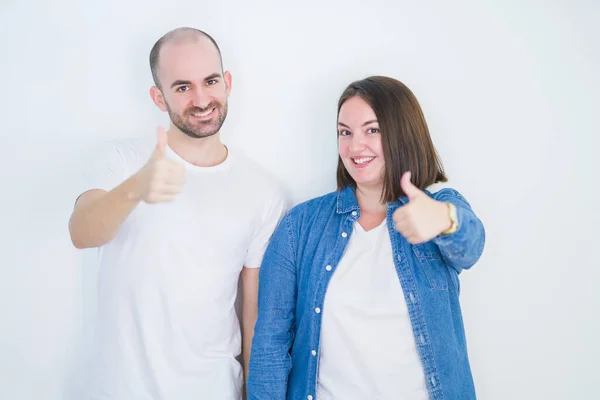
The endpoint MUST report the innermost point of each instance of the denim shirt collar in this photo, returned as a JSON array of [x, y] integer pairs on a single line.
[[347, 202]]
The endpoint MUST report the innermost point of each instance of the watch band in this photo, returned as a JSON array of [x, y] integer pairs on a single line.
[[452, 214]]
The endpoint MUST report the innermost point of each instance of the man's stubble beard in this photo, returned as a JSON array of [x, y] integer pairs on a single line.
[[202, 130]]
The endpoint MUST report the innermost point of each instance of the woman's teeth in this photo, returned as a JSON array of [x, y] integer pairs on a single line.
[[362, 160]]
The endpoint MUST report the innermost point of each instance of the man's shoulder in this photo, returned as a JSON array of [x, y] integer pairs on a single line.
[[257, 174], [126, 149], [134, 148]]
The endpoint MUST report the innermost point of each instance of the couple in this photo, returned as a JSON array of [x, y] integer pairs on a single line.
[[358, 289]]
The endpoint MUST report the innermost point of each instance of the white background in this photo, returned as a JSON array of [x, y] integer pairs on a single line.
[[510, 92]]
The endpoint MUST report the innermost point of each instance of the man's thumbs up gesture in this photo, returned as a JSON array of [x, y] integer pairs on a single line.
[[422, 218], [160, 180]]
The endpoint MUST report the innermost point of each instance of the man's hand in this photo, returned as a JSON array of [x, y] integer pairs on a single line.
[[160, 180], [422, 218]]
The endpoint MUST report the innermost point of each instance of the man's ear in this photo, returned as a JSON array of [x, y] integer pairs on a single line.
[[227, 77], [158, 98]]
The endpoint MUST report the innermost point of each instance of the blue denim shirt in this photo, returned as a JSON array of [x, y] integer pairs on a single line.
[[301, 258]]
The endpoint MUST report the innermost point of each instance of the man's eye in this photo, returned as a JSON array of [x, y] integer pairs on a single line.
[[211, 82], [183, 89]]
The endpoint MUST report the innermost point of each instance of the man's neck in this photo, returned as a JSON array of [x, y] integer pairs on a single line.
[[203, 152]]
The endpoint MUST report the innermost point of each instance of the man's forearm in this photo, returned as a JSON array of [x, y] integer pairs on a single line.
[[98, 216], [249, 312], [249, 320]]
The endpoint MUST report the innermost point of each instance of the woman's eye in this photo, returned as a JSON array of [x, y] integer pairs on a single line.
[[373, 130]]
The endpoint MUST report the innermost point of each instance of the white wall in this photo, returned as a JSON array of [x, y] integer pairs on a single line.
[[510, 90]]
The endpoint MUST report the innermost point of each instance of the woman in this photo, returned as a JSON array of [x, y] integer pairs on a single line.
[[358, 295]]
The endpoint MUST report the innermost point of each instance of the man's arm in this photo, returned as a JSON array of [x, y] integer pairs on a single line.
[[98, 214], [249, 312]]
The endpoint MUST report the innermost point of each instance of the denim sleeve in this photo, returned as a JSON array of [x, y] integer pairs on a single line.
[[270, 359], [463, 248]]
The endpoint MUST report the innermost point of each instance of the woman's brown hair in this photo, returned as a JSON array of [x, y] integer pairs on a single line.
[[405, 138]]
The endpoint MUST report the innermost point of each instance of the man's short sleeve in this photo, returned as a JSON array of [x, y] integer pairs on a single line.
[[274, 212], [103, 169]]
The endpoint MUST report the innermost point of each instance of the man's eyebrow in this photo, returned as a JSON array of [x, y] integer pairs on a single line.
[[212, 76], [180, 82], [184, 82]]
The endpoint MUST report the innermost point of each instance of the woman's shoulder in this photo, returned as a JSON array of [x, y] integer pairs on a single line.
[[320, 203], [450, 195]]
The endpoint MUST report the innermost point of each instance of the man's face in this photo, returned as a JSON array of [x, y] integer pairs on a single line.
[[194, 90]]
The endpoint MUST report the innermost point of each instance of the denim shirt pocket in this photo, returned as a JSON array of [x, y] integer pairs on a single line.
[[431, 262]]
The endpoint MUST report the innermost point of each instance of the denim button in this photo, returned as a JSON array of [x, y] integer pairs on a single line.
[[412, 297], [328, 268], [354, 213], [398, 257], [309, 397], [422, 339], [318, 310], [433, 381], [314, 353], [344, 234]]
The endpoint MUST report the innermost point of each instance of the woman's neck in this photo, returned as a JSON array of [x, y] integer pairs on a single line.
[[372, 210]]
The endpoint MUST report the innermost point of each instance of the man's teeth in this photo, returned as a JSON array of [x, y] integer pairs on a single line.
[[362, 160], [204, 114]]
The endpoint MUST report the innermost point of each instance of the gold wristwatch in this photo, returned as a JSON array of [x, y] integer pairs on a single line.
[[453, 218]]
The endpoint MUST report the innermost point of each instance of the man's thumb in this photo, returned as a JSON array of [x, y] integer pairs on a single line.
[[161, 142]]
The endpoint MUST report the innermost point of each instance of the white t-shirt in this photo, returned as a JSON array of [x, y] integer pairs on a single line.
[[367, 349], [166, 326]]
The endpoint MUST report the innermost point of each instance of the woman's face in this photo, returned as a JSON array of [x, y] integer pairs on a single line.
[[359, 143]]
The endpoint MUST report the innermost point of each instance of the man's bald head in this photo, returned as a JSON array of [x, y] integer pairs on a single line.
[[177, 36]]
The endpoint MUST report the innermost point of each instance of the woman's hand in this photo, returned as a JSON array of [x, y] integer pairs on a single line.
[[422, 218]]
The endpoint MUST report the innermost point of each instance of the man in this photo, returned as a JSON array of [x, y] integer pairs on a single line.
[[177, 218]]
